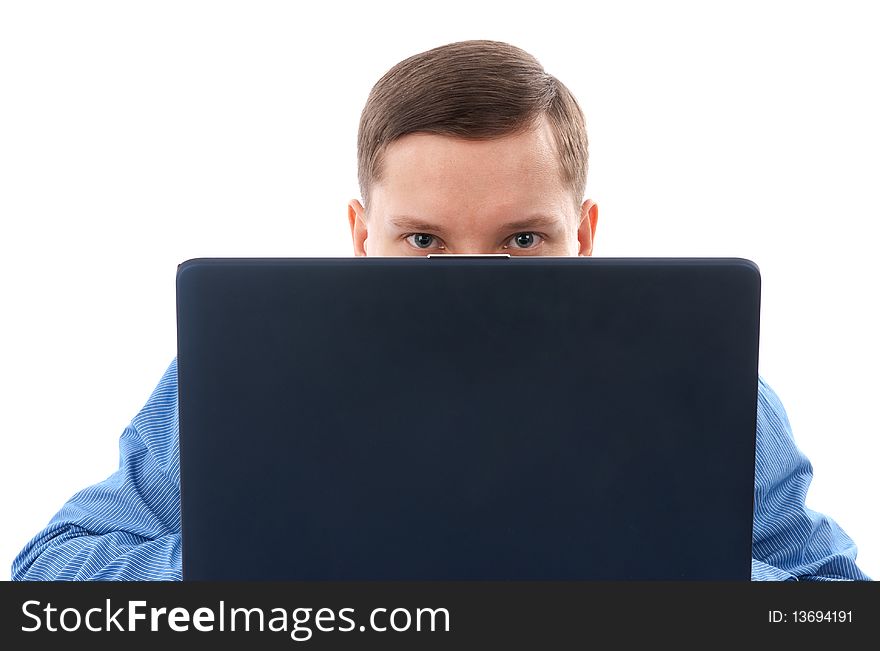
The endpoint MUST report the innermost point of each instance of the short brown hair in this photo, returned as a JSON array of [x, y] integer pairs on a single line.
[[475, 90]]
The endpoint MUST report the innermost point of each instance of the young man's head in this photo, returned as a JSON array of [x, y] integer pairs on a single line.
[[472, 148]]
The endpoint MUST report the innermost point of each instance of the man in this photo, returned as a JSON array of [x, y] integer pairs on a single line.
[[466, 148]]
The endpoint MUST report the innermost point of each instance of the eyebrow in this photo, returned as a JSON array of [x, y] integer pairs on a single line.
[[535, 221], [406, 222]]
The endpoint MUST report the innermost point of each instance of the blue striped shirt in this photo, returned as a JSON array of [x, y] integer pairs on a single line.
[[127, 527]]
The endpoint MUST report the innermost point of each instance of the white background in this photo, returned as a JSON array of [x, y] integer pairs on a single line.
[[136, 135]]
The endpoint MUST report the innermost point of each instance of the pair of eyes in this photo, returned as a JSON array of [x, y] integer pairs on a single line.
[[522, 241]]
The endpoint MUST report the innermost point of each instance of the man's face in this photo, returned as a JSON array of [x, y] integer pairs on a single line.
[[440, 194]]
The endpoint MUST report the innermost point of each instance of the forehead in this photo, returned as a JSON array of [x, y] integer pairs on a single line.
[[427, 172]]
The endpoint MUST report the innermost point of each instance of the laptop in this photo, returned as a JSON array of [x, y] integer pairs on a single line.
[[467, 417]]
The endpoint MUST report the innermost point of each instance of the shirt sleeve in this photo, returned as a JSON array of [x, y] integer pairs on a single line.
[[126, 527], [791, 542]]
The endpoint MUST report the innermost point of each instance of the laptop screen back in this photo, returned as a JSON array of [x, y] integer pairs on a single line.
[[467, 418]]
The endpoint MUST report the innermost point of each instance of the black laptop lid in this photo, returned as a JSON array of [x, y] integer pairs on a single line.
[[459, 417]]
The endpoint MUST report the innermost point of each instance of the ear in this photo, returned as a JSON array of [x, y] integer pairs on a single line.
[[587, 227], [358, 226]]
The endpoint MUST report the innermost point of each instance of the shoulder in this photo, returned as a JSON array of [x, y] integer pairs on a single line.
[[769, 405], [773, 420], [776, 453], [157, 423]]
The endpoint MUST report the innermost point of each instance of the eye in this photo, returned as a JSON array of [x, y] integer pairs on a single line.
[[423, 241], [524, 241]]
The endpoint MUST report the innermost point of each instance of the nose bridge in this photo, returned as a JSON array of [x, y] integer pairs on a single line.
[[472, 237], [469, 250], [468, 255]]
